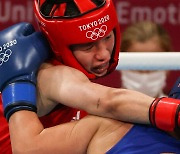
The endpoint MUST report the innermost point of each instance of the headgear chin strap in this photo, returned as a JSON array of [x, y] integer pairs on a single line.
[[91, 23]]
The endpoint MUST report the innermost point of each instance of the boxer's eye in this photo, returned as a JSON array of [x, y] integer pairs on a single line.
[[108, 37], [82, 47], [88, 47]]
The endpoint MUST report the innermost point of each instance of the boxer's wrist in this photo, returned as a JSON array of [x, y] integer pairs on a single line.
[[19, 96], [152, 111]]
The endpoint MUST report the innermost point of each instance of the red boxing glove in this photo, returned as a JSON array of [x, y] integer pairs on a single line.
[[164, 113]]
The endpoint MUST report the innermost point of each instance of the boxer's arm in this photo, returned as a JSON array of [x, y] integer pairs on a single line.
[[72, 88], [29, 136]]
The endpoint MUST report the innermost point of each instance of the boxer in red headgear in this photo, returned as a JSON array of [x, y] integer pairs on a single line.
[[68, 24], [92, 22], [85, 35]]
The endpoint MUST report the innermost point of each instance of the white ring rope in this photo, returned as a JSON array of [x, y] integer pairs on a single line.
[[149, 61]]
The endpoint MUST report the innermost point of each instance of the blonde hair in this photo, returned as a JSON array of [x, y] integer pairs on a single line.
[[144, 31]]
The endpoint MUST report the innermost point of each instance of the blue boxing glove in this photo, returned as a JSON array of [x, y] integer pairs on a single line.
[[22, 51]]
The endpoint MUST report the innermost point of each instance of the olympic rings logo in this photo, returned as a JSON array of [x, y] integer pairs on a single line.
[[4, 57], [97, 32]]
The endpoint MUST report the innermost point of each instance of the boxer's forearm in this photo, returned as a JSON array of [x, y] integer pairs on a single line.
[[130, 106], [29, 136], [24, 127]]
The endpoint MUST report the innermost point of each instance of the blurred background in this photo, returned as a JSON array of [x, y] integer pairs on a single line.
[[163, 12]]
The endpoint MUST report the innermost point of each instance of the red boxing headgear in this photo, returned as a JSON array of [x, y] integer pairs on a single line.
[[93, 22]]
